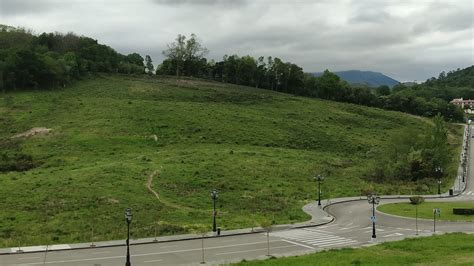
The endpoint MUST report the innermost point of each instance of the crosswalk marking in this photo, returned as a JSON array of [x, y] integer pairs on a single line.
[[314, 237], [395, 234]]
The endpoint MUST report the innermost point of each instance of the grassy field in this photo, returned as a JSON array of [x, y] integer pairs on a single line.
[[425, 210], [448, 249], [259, 148]]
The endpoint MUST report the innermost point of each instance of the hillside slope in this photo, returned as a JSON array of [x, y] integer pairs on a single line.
[[368, 78], [458, 78], [110, 134]]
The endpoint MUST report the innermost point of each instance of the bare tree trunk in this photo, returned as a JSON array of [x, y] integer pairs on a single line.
[[202, 249], [268, 242]]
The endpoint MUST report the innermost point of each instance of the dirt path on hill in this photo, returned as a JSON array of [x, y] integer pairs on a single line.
[[149, 186]]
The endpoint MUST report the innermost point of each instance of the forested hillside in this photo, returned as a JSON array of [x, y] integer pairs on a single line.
[[454, 84], [28, 61], [50, 60], [460, 78]]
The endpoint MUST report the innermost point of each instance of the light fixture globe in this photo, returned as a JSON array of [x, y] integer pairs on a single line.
[[128, 215]]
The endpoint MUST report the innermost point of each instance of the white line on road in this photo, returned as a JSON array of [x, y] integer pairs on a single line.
[[100, 252], [323, 242], [346, 228], [340, 243], [294, 243], [150, 261], [250, 250], [311, 237], [395, 234], [29, 258]]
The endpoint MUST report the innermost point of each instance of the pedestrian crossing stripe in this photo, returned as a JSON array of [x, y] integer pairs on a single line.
[[314, 237]]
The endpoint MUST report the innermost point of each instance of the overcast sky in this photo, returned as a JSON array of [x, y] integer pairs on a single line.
[[407, 40]]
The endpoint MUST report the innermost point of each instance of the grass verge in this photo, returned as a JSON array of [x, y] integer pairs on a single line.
[[448, 249], [425, 210]]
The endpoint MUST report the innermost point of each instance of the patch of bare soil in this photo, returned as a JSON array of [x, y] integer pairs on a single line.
[[36, 131]]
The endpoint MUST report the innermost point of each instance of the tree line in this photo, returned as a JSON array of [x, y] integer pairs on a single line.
[[55, 59], [187, 57]]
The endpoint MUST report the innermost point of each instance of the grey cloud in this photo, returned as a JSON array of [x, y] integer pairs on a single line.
[[371, 16], [201, 2], [17, 7]]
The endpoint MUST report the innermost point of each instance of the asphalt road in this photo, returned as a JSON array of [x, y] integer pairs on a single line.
[[351, 227]]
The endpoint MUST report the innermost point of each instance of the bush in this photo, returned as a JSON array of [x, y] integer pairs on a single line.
[[463, 211], [416, 200], [16, 162]]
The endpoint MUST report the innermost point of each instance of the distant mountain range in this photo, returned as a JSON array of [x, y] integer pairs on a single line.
[[368, 78]]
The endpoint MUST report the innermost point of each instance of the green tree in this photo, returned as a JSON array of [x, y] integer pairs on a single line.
[[436, 144], [383, 90], [149, 65], [266, 224], [184, 50], [2, 69]]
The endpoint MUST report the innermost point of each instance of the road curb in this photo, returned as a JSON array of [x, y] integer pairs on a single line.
[[255, 231]]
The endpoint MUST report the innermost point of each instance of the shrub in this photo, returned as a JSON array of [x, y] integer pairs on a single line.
[[463, 211], [416, 200]]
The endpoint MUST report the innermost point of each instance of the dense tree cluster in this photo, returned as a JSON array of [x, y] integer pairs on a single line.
[[55, 59], [415, 157], [458, 82]]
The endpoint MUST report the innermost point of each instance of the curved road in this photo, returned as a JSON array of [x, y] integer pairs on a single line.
[[351, 227]]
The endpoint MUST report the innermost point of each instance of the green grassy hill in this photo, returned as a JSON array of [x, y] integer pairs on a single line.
[[259, 148]]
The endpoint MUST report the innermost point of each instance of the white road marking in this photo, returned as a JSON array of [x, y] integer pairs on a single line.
[[395, 234], [347, 228], [316, 230], [150, 261], [324, 242], [294, 243], [313, 237], [335, 244], [29, 258], [100, 252], [250, 250]]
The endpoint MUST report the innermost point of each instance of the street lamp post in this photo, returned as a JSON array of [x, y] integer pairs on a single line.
[[374, 200], [128, 218], [416, 219], [439, 174], [464, 160], [319, 178], [214, 196]]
